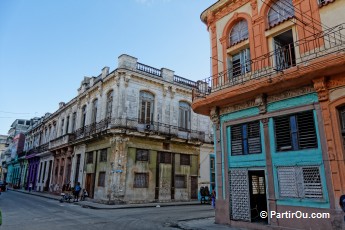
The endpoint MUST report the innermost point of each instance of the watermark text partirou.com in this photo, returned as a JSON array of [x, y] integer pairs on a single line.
[[294, 215]]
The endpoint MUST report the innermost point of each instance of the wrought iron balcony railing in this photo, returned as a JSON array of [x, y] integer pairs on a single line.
[[329, 41], [134, 124], [62, 140]]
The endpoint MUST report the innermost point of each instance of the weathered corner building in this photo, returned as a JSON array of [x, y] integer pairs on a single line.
[[129, 135]]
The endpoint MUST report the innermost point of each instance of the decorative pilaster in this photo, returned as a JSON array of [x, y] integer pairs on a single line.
[[320, 86]]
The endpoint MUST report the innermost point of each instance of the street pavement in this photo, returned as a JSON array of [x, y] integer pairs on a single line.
[[46, 213]]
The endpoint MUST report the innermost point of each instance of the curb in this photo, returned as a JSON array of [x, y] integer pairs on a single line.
[[148, 205]]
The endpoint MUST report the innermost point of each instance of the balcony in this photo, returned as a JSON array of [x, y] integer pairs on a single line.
[[302, 57], [61, 141], [129, 125]]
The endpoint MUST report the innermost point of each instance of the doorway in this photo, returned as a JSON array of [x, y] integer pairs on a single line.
[[89, 184], [257, 189], [284, 50], [194, 187]]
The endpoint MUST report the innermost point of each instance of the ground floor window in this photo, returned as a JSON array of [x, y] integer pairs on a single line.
[[180, 181], [101, 179], [141, 180]]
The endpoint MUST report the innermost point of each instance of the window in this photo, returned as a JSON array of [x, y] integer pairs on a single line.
[[284, 51], [89, 159], [74, 117], [83, 116], [300, 182], [146, 107], [239, 63], [324, 2], [258, 184], [212, 164], [184, 115], [295, 132], [20, 122], [109, 106], [94, 111], [62, 125], [180, 181], [245, 139], [280, 11], [239, 32], [142, 155], [141, 180], [103, 155], [184, 159], [101, 179], [166, 146], [342, 123], [164, 157], [67, 124]]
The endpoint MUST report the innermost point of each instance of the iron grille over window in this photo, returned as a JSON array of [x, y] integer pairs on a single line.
[[142, 155], [184, 159], [300, 182], [164, 157], [239, 63], [146, 107], [280, 11], [180, 181], [103, 155], [184, 116], [245, 138], [89, 159], [295, 132], [239, 32], [101, 179], [141, 180], [342, 123]]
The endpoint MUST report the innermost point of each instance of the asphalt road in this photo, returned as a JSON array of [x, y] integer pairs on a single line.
[[26, 212]]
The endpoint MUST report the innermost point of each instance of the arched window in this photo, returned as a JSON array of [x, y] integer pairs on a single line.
[[109, 106], [94, 111], [83, 116], [280, 11], [342, 123], [146, 107], [239, 32], [184, 115]]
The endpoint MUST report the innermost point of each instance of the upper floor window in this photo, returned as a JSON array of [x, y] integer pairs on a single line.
[[284, 51], [295, 132], [239, 32], [67, 124], [184, 159], [142, 155], [342, 123], [324, 2], [146, 107], [94, 111], [280, 11], [83, 116], [109, 106], [103, 155], [239, 63], [184, 115], [74, 117], [245, 138], [62, 126]]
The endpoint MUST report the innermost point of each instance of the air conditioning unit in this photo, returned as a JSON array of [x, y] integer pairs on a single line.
[[148, 127]]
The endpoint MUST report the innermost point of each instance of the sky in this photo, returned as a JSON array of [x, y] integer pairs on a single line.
[[47, 47]]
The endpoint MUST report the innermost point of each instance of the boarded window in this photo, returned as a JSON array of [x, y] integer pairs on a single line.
[[142, 155], [165, 158], [184, 159], [101, 179], [280, 11], [295, 132], [103, 155], [180, 181], [300, 182], [89, 159], [141, 180], [245, 139]]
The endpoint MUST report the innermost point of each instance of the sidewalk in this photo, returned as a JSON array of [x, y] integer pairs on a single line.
[[196, 224]]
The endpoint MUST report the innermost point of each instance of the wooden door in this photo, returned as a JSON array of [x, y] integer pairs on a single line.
[[89, 184], [194, 187]]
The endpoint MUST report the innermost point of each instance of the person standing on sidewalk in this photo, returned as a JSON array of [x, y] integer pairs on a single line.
[[213, 196], [77, 189], [30, 186]]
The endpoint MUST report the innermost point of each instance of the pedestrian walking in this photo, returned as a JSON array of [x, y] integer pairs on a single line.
[[30, 186], [77, 189], [213, 196]]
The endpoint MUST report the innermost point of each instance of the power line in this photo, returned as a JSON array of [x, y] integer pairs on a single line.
[[16, 113]]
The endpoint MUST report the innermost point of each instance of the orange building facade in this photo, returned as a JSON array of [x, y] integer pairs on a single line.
[[277, 100]]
